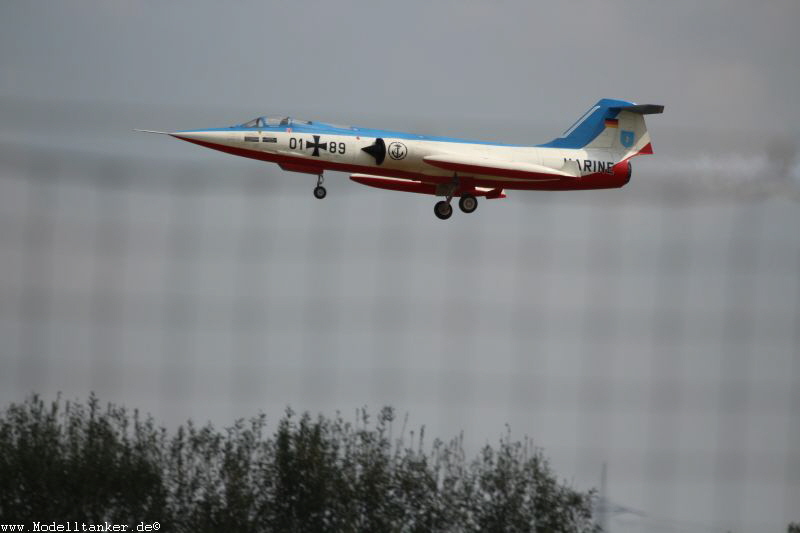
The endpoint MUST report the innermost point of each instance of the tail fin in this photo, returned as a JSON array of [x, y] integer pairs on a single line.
[[615, 125]]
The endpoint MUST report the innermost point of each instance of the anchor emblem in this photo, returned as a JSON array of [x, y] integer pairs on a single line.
[[397, 150]]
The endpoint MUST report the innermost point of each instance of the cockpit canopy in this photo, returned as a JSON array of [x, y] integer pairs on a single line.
[[273, 121]]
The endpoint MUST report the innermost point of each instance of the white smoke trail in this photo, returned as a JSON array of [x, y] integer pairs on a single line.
[[721, 177]]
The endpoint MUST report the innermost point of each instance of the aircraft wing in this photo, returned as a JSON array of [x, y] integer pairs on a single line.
[[497, 167], [405, 185]]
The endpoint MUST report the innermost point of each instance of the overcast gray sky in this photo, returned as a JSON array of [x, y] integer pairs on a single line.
[[654, 327]]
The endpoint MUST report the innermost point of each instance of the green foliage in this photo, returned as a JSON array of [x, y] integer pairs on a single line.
[[68, 461], [75, 462], [794, 527]]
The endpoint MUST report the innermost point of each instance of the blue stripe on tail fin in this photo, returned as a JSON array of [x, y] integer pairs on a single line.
[[590, 125]]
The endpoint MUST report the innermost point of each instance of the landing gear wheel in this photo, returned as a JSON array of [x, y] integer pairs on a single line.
[[443, 210], [319, 190], [468, 203]]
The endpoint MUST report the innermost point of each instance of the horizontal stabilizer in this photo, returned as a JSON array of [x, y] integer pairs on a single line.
[[496, 167], [642, 109]]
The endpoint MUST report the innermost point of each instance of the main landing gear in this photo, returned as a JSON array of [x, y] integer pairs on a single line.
[[443, 210], [468, 203], [319, 191]]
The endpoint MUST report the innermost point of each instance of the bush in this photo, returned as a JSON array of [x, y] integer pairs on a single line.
[[74, 462]]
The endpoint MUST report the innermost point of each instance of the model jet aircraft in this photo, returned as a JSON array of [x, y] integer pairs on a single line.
[[594, 153]]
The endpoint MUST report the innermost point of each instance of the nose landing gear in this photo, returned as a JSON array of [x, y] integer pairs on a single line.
[[319, 191]]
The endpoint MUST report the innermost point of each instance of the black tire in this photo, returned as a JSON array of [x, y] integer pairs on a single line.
[[320, 192], [443, 210], [468, 203]]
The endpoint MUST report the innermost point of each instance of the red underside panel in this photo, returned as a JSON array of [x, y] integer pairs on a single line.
[[619, 177]]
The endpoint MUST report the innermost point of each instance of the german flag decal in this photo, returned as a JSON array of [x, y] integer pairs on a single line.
[[612, 123]]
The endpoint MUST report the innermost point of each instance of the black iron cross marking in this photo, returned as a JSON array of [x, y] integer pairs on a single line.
[[316, 145]]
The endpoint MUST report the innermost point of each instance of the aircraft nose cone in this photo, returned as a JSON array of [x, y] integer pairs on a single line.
[[193, 135], [207, 138]]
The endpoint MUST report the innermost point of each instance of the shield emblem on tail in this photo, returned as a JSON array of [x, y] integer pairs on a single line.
[[626, 138]]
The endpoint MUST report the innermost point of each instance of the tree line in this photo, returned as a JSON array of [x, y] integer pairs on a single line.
[[80, 461]]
